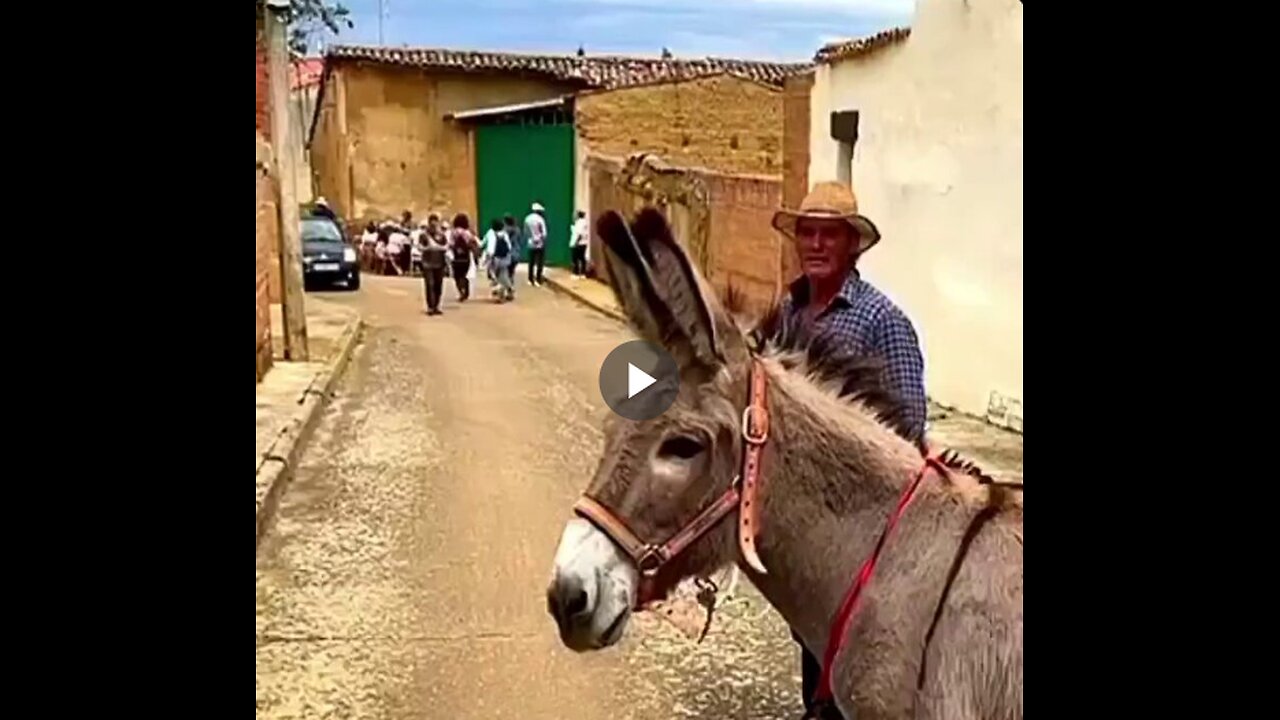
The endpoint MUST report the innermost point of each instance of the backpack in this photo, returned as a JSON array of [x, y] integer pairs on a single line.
[[501, 246], [460, 243]]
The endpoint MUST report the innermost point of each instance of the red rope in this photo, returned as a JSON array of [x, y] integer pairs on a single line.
[[844, 617]]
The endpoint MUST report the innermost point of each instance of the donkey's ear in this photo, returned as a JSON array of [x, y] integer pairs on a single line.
[[631, 278], [676, 283]]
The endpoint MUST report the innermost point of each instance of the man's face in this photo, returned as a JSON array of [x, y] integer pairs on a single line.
[[825, 247]]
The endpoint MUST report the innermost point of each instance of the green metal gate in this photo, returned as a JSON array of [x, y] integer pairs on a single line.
[[518, 164]]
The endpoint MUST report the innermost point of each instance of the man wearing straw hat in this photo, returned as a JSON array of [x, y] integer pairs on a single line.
[[833, 300]]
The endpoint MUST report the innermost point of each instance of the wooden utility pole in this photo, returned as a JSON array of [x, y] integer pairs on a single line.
[[294, 311]]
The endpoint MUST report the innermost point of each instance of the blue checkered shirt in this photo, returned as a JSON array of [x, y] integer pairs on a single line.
[[863, 319]]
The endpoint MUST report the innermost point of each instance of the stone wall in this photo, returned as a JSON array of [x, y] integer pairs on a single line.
[[721, 220]]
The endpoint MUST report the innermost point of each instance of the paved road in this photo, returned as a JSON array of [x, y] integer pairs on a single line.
[[404, 574]]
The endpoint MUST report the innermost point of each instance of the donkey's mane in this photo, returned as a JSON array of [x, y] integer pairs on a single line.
[[856, 378]]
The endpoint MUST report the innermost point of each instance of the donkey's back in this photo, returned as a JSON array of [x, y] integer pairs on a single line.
[[973, 663]]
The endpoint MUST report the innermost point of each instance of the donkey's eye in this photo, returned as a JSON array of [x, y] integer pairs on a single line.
[[680, 446]]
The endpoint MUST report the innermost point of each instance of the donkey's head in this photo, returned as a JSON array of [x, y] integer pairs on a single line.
[[656, 475]]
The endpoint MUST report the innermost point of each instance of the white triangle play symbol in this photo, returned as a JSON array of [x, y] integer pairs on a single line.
[[637, 380]]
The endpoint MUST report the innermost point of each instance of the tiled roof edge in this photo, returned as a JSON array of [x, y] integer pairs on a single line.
[[861, 46]]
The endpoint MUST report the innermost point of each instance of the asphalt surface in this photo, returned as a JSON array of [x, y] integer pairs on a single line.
[[403, 576]]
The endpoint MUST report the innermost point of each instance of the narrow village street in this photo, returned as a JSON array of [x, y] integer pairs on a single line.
[[414, 471], [403, 575]]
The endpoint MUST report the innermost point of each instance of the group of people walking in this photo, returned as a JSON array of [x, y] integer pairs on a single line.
[[458, 252], [390, 247]]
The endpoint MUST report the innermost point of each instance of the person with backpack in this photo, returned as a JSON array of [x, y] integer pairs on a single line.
[[517, 247], [486, 257], [463, 243], [498, 251]]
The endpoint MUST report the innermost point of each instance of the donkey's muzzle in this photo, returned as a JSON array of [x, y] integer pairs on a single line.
[[567, 601]]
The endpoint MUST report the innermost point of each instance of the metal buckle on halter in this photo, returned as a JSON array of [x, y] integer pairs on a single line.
[[758, 439], [651, 560]]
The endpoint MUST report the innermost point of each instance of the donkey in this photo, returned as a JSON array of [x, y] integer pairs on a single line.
[[933, 628]]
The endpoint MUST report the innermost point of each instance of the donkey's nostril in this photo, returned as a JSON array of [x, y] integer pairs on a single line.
[[567, 599], [577, 603]]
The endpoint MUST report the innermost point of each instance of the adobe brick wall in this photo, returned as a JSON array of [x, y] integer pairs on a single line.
[[723, 122], [267, 232], [269, 218], [382, 145], [795, 153], [606, 193], [723, 221], [744, 251], [795, 137], [263, 91]]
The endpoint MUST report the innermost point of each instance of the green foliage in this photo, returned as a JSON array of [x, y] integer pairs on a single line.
[[308, 18]]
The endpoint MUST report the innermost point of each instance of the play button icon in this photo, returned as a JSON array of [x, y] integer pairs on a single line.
[[639, 380]]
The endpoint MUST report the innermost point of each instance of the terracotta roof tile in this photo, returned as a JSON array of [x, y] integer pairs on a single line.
[[599, 71], [861, 46], [305, 72]]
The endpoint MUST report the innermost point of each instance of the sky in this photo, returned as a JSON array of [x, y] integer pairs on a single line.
[[778, 30]]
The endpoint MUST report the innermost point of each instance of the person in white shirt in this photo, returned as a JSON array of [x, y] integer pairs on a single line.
[[368, 241], [415, 246], [397, 241], [535, 230], [486, 257], [579, 241], [380, 247]]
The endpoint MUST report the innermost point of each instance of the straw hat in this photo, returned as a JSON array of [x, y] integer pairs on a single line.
[[829, 201]]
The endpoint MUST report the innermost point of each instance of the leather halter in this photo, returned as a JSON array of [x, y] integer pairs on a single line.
[[742, 495]]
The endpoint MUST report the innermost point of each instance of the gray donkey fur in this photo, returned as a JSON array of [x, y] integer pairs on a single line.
[[938, 633]]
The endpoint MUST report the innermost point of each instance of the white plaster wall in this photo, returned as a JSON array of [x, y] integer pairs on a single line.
[[302, 105], [581, 179], [938, 167]]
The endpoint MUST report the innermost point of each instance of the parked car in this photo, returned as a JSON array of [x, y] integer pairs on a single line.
[[327, 258]]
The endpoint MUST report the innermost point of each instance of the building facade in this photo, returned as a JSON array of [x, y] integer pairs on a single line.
[[927, 124], [428, 130]]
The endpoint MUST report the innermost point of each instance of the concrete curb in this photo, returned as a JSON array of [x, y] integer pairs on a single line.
[[570, 292], [277, 463]]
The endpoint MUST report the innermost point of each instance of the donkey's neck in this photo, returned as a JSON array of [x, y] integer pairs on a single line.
[[831, 476]]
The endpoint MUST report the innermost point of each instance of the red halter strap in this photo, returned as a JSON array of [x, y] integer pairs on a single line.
[[844, 617]]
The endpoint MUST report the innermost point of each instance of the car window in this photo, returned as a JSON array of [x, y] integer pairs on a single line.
[[323, 230]]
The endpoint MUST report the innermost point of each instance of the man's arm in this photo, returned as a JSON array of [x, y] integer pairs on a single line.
[[904, 368]]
